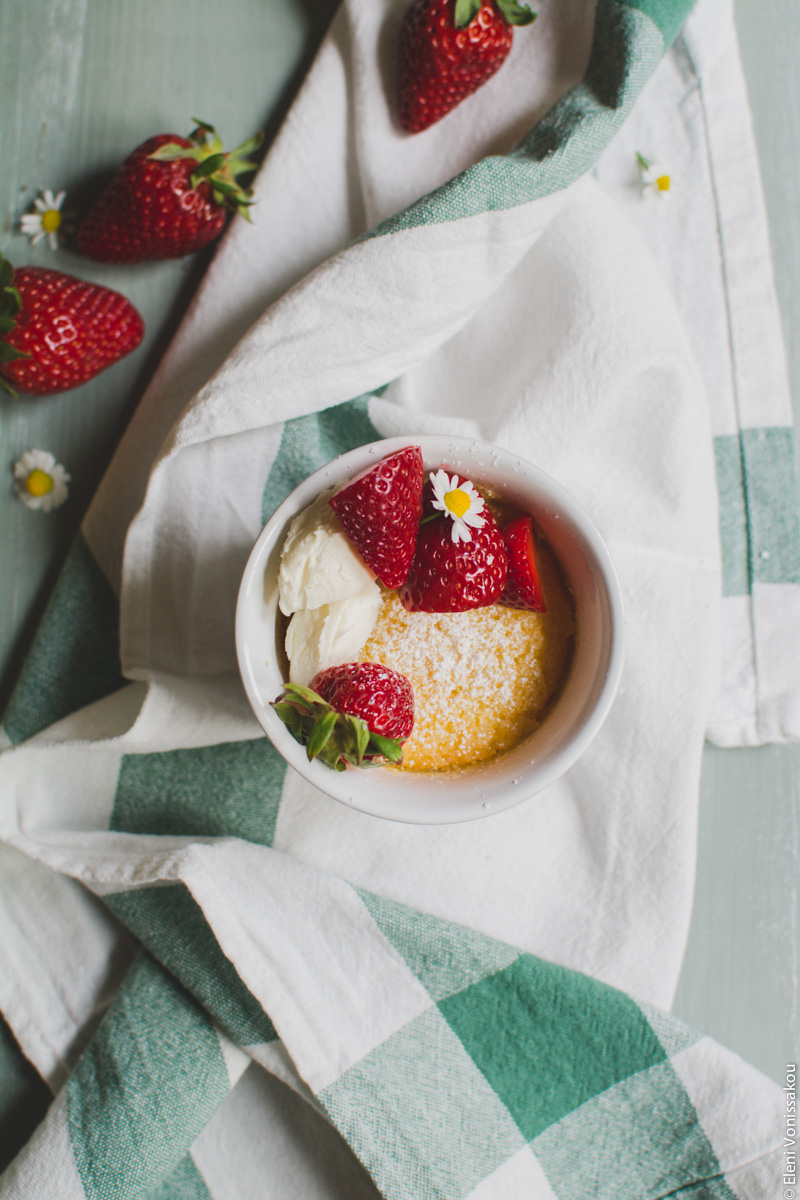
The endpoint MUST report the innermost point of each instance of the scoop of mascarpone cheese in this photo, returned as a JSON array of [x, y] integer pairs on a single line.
[[327, 590]]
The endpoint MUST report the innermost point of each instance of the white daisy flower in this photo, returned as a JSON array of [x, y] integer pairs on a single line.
[[654, 178], [460, 501], [47, 219], [39, 481]]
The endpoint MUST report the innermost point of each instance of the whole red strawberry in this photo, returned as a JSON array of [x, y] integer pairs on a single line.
[[523, 587], [460, 558], [380, 511], [357, 713], [379, 696], [58, 331], [448, 49], [170, 197]]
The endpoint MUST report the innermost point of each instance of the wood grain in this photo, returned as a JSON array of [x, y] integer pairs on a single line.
[[82, 82]]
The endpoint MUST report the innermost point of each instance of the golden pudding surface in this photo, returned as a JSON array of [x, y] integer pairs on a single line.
[[482, 679]]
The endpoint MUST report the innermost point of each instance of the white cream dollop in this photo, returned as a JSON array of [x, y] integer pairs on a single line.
[[319, 566], [333, 633], [325, 587]]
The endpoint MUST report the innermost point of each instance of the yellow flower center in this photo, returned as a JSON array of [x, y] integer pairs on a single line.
[[457, 501], [662, 183], [38, 483], [51, 220]]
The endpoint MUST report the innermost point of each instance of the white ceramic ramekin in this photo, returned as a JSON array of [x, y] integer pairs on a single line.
[[430, 798]]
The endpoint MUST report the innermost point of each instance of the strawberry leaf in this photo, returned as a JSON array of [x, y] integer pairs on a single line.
[[242, 207], [171, 150], [6, 273], [466, 11], [361, 731], [321, 734], [249, 147], [200, 137], [10, 353], [214, 162], [516, 14], [300, 692], [10, 301], [10, 304], [290, 717], [389, 747], [332, 737], [348, 743], [219, 185]]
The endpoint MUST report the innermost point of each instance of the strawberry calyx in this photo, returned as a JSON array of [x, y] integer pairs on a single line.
[[513, 12], [10, 304], [335, 738], [216, 166]]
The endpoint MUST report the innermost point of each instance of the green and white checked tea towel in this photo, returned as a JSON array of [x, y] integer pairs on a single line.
[[451, 1063], [307, 1001]]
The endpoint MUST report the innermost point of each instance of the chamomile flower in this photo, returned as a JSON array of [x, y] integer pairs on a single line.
[[47, 219], [460, 501], [39, 481], [655, 179]]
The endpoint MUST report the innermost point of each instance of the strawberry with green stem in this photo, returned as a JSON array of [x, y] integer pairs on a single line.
[[170, 197], [356, 713], [448, 49], [57, 332]]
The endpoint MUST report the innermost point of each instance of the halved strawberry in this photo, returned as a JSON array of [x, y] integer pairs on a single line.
[[357, 713], [523, 587], [380, 511], [453, 576]]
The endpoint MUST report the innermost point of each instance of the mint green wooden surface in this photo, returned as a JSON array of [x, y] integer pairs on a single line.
[[81, 83]]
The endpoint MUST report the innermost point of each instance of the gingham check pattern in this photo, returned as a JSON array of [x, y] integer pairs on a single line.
[[504, 1076]]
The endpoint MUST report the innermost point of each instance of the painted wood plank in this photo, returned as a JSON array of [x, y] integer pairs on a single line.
[[82, 83], [740, 976]]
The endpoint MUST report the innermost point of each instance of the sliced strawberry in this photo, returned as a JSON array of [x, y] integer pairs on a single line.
[[380, 511], [448, 576], [523, 588], [357, 713]]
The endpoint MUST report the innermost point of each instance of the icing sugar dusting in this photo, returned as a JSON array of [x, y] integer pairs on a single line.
[[481, 678]]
